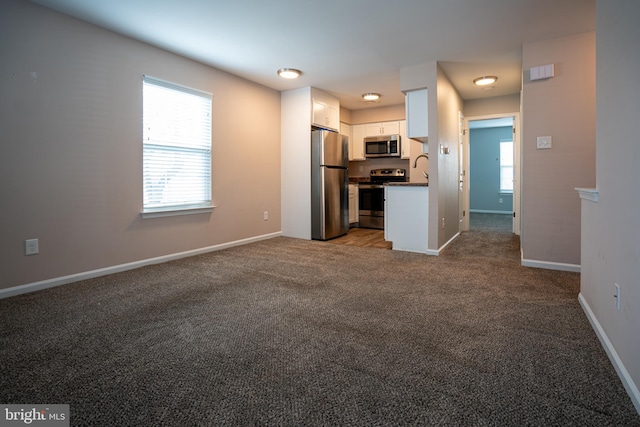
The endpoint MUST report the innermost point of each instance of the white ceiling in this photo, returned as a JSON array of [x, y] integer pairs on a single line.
[[345, 47]]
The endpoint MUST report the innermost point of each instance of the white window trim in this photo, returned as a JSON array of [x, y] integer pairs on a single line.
[[164, 212], [182, 209]]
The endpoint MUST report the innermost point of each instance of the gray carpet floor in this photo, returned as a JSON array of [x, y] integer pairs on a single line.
[[289, 332]]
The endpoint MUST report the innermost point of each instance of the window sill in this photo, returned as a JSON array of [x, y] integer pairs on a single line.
[[506, 193], [164, 212]]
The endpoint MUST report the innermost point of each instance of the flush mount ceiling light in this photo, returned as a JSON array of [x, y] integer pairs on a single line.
[[289, 73], [485, 80], [371, 96]]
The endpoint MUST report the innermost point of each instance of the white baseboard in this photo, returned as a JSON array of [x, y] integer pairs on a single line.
[[549, 265], [442, 248], [491, 212], [622, 372], [50, 283]]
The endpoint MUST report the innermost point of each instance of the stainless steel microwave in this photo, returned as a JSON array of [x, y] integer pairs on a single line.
[[382, 146]]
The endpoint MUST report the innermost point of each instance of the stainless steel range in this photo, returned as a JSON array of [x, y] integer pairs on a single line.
[[371, 196]]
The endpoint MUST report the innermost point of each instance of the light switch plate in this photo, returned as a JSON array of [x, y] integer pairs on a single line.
[[543, 142], [542, 72]]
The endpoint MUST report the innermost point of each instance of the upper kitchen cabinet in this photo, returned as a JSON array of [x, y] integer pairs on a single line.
[[417, 104], [345, 129], [405, 143], [325, 111], [360, 132], [384, 128], [356, 143]]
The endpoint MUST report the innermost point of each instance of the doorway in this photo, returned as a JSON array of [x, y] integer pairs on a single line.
[[490, 169]]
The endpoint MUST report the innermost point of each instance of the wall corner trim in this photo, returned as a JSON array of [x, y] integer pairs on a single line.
[[627, 381], [588, 194], [50, 283]]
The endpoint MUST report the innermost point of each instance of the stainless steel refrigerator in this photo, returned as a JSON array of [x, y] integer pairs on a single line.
[[329, 185]]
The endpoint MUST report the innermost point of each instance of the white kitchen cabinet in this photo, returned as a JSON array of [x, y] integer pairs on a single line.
[[406, 217], [356, 144], [325, 110], [353, 204], [417, 112], [405, 143], [359, 132], [383, 128]]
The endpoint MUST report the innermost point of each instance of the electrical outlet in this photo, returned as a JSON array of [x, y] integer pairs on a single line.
[[617, 295], [500, 200], [266, 215], [31, 247], [442, 223]]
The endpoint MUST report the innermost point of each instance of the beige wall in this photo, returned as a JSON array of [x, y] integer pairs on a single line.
[[444, 104], [71, 167], [378, 114], [495, 105], [449, 106], [345, 115], [420, 77], [562, 107], [611, 227]]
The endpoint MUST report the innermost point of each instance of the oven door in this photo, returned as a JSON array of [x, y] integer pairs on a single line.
[[371, 206]]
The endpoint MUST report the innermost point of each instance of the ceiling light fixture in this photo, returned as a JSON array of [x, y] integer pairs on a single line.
[[485, 80], [289, 73], [370, 96]]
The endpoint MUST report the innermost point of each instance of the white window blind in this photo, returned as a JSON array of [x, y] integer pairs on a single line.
[[506, 166], [176, 147]]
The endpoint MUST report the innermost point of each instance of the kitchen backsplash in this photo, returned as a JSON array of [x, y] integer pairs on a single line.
[[363, 168]]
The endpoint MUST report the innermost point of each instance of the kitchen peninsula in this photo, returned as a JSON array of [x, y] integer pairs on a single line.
[[407, 216]]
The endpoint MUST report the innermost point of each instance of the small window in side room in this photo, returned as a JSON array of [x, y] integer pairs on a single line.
[[506, 166], [176, 149]]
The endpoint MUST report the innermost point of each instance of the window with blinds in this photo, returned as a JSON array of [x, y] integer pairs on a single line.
[[506, 166], [176, 148]]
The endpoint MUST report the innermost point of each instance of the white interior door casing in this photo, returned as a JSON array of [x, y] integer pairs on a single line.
[[516, 225], [463, 195]]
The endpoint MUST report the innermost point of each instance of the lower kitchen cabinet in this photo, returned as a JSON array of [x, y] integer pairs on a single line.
[[353, 204], [406, 217]]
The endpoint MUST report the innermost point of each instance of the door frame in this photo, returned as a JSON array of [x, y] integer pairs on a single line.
[[517, 170], [463, 197]]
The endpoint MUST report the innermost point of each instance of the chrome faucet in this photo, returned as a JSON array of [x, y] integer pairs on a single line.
[[425, 155]]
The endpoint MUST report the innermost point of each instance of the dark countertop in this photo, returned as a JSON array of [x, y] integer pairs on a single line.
[[357, 179], [407, 184], [364, 179]]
